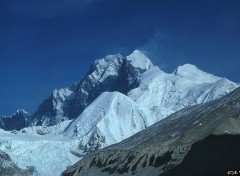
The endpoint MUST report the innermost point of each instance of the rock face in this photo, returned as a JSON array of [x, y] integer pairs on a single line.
[[17, 121], [180, 138], [8, 168]]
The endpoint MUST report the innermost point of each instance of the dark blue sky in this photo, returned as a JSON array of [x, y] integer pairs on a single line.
[[51, 44]]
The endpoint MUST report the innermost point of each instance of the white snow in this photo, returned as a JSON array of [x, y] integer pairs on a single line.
[[159, 90], [139, 60], [194, 74], [113, 116], [108, 66]]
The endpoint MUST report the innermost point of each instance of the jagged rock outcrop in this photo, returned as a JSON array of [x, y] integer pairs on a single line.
[[159, 149], [17, 121]]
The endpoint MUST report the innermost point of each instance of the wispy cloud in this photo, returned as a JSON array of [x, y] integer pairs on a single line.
[[155, 47], [167, 49]]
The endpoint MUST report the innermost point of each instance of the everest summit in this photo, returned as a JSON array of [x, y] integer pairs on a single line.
[[112, 73], [136, 77]]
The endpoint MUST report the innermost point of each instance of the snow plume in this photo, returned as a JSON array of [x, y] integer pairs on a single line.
[[155, 48]]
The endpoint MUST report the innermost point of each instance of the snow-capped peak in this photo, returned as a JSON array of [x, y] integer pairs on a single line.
[[108, 60], [186, 67], [139, 60], [193, 73], [106, 66], [22, 112]]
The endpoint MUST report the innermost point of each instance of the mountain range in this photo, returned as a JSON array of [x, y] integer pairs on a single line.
[[119, 97], [17, 121]]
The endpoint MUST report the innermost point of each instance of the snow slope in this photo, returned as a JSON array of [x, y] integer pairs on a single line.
[[111, 118]]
